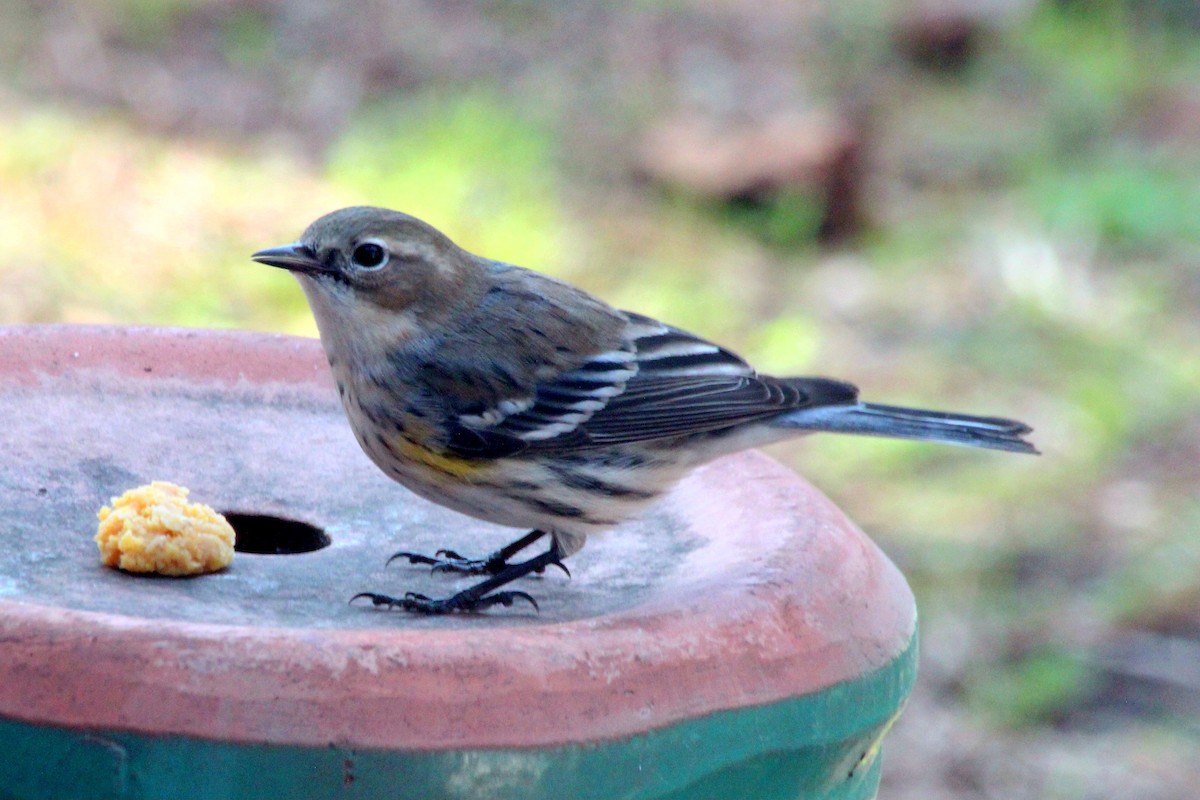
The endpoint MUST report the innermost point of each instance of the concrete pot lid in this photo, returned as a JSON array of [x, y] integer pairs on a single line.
[[744, 586]]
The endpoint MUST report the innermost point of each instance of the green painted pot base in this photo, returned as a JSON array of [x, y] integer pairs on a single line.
[[824, 745]]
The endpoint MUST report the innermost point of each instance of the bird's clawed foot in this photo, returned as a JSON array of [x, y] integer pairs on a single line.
[[463, 601], [450, 561], [482, 595], [493, 564]]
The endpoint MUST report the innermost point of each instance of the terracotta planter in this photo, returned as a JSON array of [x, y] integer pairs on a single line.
[[744, 639]]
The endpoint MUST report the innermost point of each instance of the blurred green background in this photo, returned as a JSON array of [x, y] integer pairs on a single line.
[[982, 206]]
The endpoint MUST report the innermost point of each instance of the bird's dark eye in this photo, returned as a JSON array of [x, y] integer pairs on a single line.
[[369, 255]]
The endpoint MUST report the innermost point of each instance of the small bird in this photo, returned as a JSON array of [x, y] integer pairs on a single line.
[[518, 399]]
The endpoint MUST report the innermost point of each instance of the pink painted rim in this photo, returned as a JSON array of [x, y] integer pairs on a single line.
[[824, 607]]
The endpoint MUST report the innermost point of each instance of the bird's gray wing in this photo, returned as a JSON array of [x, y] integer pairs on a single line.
[[661, 382]]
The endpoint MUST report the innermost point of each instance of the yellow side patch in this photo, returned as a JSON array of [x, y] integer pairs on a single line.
[[450, 465]]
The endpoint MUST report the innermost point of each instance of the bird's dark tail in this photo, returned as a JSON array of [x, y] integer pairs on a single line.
[[872, 419]]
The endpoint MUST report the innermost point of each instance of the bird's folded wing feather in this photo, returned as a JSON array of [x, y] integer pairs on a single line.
[[661, 382]]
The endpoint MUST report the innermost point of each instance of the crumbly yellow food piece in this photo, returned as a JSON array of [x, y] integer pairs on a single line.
[[155, 529]]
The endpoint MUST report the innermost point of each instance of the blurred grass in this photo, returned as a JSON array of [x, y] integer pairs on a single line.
[[468, 163], [1033, 255], [100, 223], [1034, 689]]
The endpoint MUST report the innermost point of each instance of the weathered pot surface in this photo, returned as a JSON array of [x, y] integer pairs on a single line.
[[745, 586]]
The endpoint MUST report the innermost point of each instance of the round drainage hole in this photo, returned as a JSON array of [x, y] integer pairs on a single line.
[[274, 536]]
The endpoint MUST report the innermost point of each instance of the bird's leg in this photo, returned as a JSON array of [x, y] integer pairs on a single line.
[[477, 597], [493, 564]]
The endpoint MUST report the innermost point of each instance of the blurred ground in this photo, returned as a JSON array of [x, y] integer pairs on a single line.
[[987, 206]]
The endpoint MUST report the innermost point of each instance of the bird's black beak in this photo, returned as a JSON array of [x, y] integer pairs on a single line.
[[294, 257]]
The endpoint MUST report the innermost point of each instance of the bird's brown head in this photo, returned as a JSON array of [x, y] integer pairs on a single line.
[[376, 279], [373, 255]]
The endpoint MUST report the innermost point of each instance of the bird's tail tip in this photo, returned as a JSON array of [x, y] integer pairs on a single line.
[[873, 419]]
